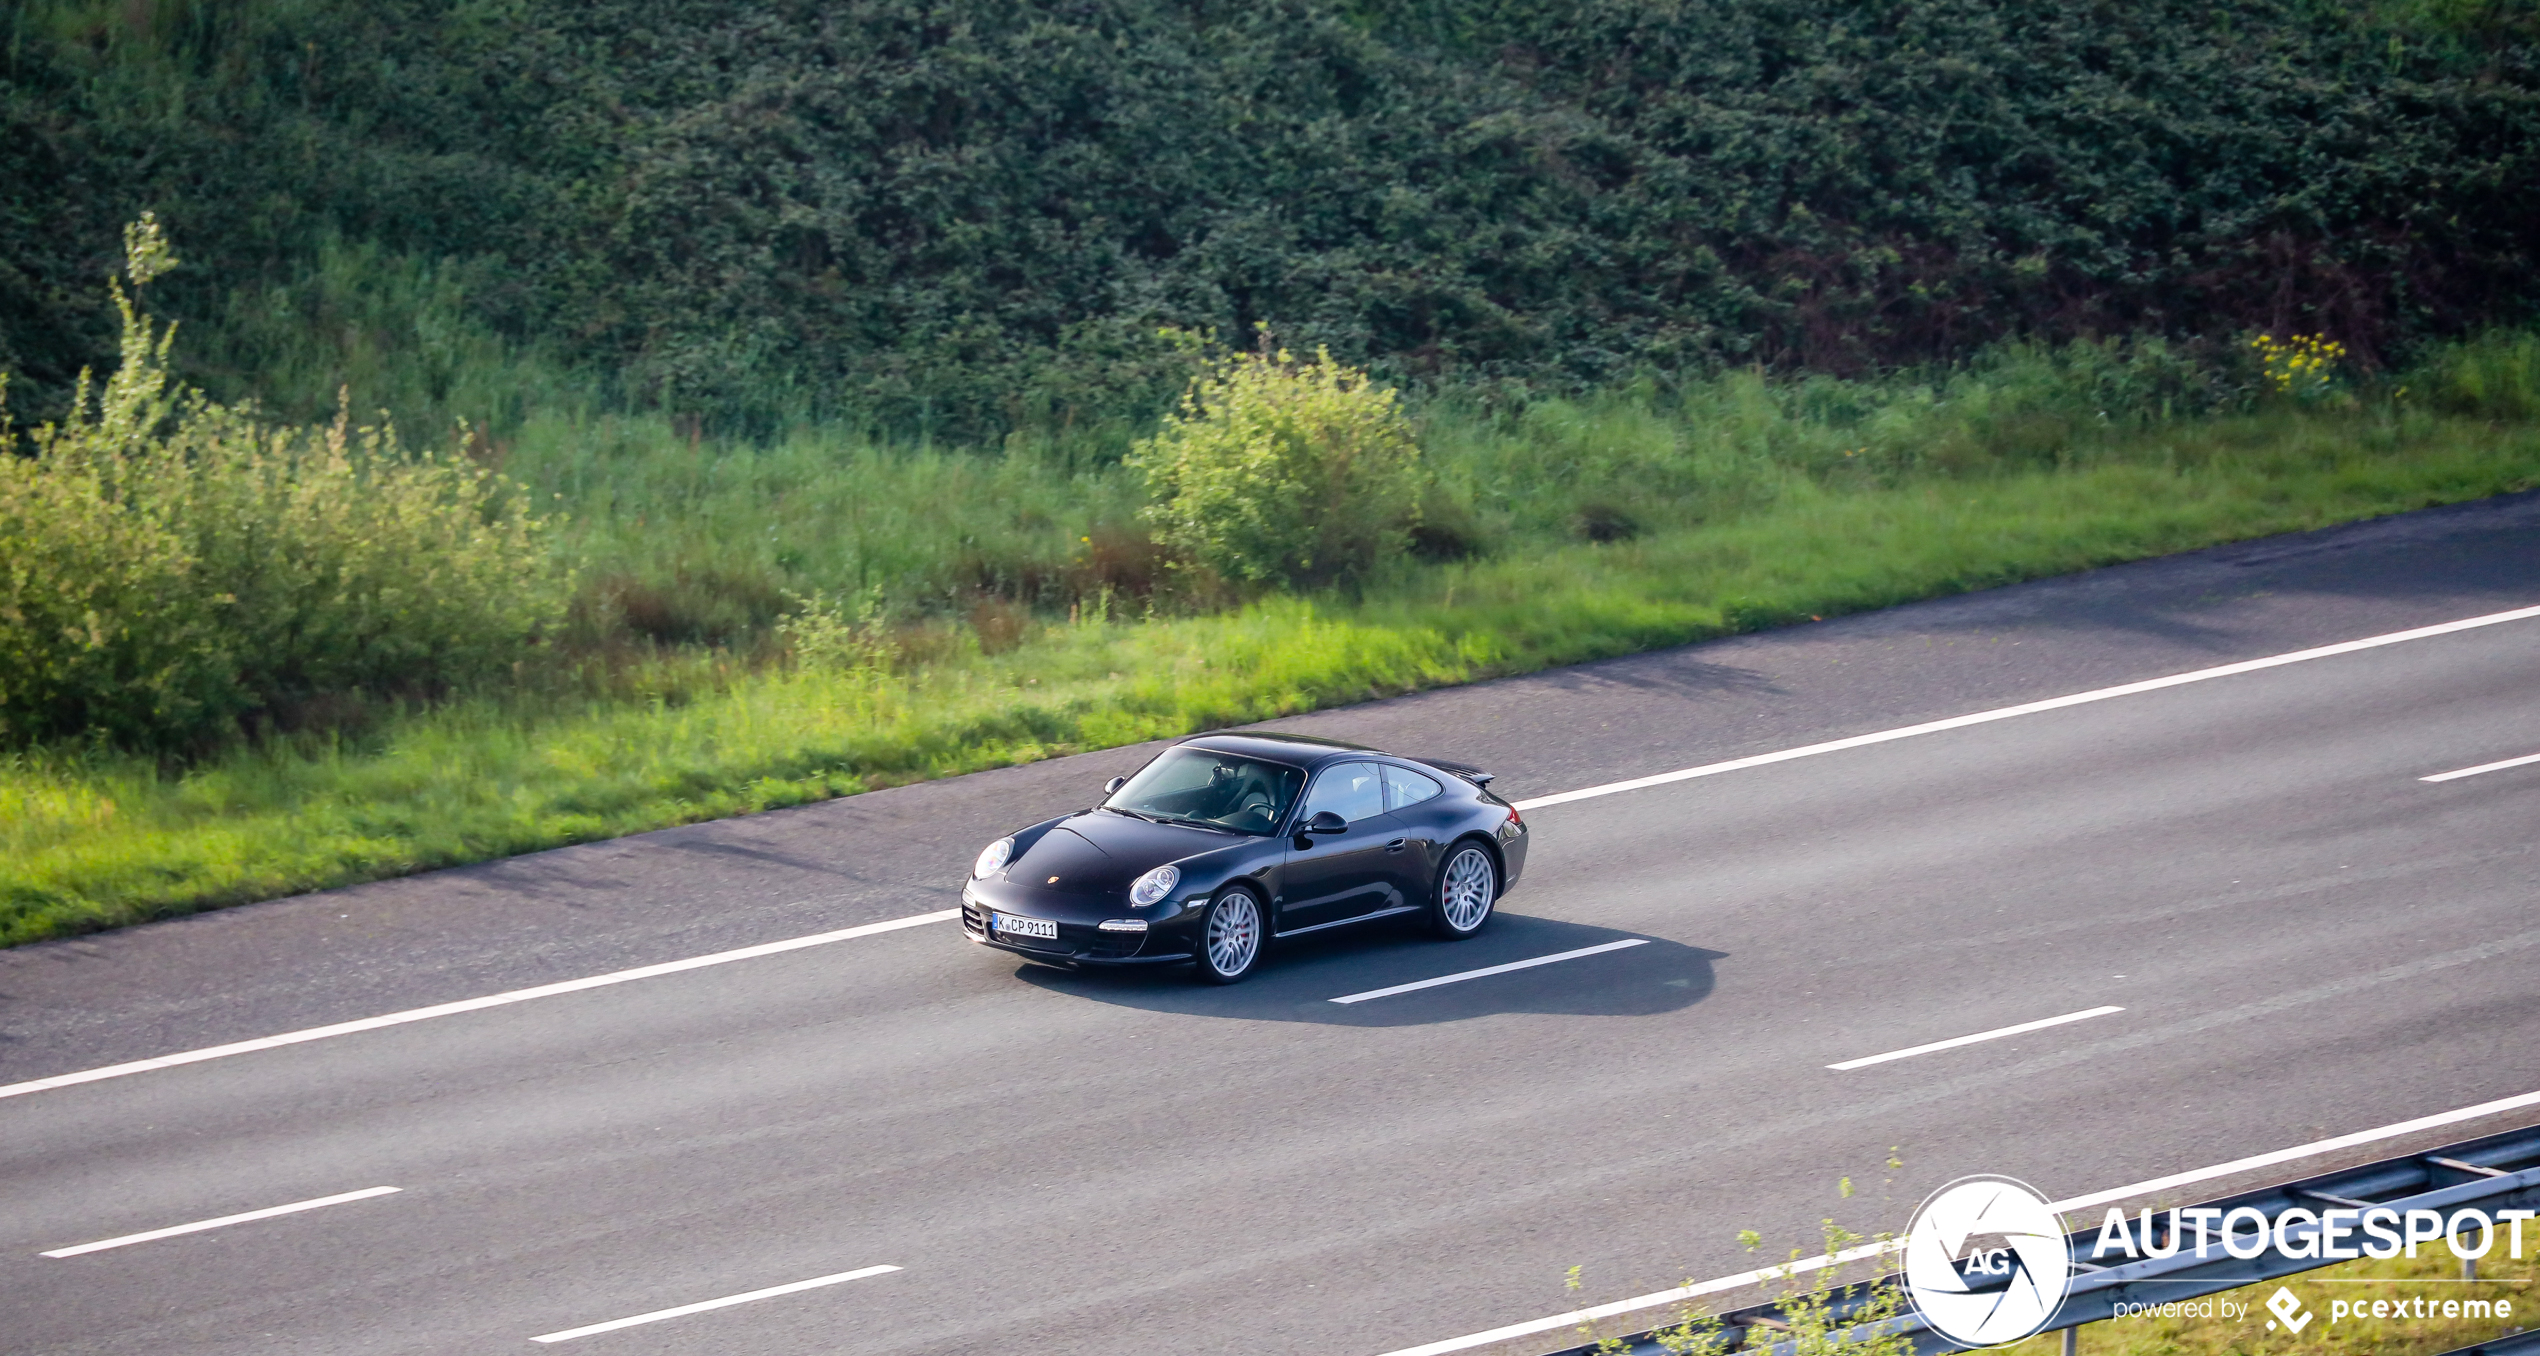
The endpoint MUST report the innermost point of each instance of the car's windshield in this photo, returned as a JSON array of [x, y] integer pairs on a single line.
[[1220, 790]]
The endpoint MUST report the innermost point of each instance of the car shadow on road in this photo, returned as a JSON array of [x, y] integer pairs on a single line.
[[1299, 979]]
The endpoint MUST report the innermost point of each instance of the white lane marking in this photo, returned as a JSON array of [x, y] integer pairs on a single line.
[[2029, 708], [2483, 767], [1489, 970], [200, 1225], [726, 1302], [492, 1000], [1849, 1255], [1955, 1041]]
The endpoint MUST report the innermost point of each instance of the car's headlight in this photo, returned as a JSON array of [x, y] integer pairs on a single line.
[[1155, 885], [993, 857]]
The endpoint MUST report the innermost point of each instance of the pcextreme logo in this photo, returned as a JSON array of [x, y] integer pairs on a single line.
[[2293, 1316], [1985, 1261]]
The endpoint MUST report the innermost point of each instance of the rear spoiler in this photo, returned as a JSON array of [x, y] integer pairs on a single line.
[[1466, 771]]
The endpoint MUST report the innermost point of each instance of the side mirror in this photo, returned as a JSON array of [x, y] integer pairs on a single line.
[[1324, 821], [1113, 786]]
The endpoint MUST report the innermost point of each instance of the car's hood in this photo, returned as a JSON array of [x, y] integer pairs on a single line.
[[1102, 852]]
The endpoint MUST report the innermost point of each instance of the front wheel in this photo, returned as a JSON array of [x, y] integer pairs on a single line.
[[1231, 937], [1467, 889]]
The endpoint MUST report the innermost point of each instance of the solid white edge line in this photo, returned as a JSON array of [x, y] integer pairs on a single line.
[[1955, 1041], [200, 1225], [2298, 1151], [2029, 708], [2483, 767], [495, 1000], [1489, 970], [726, 1302], [2113, 1194]]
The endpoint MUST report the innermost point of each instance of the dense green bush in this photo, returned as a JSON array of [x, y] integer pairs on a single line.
[[1279, 471], [171, 567], [954, 218]]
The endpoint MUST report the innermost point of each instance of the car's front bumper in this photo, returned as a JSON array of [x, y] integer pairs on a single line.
[[1081, 939]]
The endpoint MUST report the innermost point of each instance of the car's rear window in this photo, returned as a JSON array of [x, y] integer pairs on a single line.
[[1354, 791], [1220, 790]]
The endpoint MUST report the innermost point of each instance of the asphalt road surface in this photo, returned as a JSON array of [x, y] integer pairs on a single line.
[[2303, 936]]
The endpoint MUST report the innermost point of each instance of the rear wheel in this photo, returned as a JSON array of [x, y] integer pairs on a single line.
[[1467, 889], [1231, 936]]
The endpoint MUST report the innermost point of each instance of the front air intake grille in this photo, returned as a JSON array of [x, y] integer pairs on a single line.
[[1115, 945]]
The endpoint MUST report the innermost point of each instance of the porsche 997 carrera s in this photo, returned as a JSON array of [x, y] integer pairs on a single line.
[[1224, 843]]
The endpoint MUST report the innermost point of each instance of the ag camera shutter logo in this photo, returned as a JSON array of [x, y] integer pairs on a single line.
[[1985, 1261]]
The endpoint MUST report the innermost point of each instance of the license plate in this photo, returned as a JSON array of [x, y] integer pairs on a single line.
[[1026, 927]]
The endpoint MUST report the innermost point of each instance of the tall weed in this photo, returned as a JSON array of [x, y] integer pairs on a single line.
[[2494, 375], [171, 568]]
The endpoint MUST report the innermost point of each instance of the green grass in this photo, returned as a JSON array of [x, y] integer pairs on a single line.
[[698, 541], [1774, 533]]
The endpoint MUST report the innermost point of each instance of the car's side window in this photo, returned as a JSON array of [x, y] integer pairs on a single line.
[[1405, 787], [1354, 791]]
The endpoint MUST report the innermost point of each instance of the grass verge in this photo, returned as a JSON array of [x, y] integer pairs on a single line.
[[92, 840]]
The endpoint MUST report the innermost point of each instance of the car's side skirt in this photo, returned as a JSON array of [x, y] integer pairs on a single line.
[[1345, 922]]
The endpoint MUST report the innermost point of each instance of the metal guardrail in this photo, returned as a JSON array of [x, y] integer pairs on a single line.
[[2497, 1172]]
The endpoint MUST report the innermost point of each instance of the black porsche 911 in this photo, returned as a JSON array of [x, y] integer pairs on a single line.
[[1226, 841]]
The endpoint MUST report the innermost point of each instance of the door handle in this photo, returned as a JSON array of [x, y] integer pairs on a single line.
[[1397, 845]]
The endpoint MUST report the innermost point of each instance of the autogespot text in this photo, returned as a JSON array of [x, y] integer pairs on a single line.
[[2338, 1234]]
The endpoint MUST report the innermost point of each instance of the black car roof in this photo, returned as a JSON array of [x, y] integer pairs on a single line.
[[1304, 750]]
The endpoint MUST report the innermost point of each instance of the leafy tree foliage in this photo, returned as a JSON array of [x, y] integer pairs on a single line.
[[961, 217]]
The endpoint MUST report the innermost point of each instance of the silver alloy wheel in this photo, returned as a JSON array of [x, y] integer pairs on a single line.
[[1464, 896], [1234, 934]]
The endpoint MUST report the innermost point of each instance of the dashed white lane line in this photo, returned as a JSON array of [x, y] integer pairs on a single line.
[[2130, 1191], [702, 1306], [491, 1000], [1489, 970], [224, 1221], [2483, 767], [2032, 708], [1955, 1041]]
